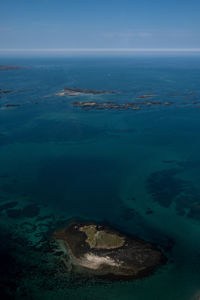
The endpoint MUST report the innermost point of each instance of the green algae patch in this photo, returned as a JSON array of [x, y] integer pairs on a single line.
[[101, 239]]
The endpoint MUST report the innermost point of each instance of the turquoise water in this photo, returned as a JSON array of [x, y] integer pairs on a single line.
[[135, 169]]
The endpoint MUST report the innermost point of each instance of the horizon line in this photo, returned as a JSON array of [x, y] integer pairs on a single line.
[[104, 50]]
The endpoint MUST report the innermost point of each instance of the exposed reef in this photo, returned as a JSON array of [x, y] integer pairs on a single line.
[[76, 92], [86, 105], [11, 105], [102, 251], [5, 91], [146, 96]]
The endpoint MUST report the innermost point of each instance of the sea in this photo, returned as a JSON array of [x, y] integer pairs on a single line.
[[137, 170]]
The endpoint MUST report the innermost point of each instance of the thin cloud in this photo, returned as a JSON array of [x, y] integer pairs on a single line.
[[129, 34], [105, 50], [151, 34]]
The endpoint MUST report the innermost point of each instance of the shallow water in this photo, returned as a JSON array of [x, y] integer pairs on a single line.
[[135, 169]]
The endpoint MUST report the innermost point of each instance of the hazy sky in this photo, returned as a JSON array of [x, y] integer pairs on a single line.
[[48, 24]]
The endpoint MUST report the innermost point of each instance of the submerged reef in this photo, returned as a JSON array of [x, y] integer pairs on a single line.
[[102, 251], [167, 188], [164, 186], [29, 211]]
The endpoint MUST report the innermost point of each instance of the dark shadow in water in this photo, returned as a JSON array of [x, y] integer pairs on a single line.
[[8, 269], [80, 185], [27, 269], [51, 131]]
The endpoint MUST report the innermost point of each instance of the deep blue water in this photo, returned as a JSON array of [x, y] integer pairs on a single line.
[[136, 169]]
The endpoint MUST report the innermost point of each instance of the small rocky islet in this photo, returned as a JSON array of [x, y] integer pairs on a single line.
[[77, 91], [99, 250], [9, 67], [88, 105]]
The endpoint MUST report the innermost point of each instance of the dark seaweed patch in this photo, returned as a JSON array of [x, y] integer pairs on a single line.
[[13, 213], [149, 212], [166, 188], [8, 205], [28, 227], [30, 211]]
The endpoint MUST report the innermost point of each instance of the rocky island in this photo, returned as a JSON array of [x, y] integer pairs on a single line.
[[102, 251]]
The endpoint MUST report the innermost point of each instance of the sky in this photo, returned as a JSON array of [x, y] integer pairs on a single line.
[[102, 24]]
